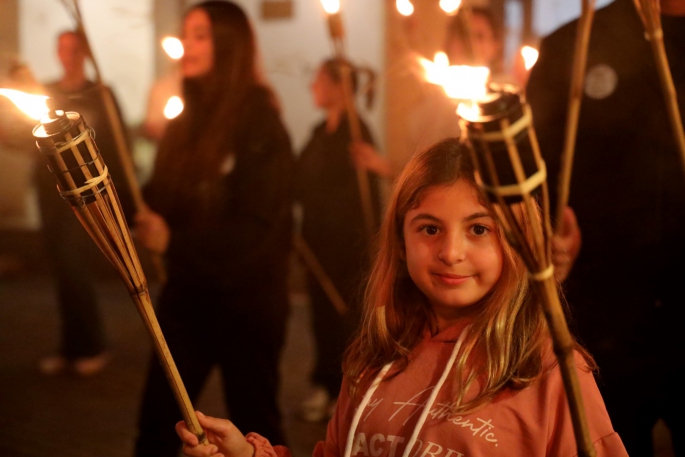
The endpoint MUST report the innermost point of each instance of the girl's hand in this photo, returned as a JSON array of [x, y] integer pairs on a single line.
[[566, 245], [225, 439], [366, 157], [152, 231]]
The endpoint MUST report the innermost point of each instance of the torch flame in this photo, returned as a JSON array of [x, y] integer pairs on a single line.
[[405, 7], [331, 6], [468, 110], [530, 56], [459, 81], [173, 47], [174, 107], [33, 105], [450, 6]]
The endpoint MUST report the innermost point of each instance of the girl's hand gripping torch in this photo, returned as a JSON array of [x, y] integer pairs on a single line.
[[505, 152], [83, 180]]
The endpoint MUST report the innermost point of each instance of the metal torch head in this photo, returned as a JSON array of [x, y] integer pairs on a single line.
[[73, 157], [499, 130]]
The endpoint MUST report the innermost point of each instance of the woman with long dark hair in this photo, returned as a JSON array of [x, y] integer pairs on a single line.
[[220, 210]]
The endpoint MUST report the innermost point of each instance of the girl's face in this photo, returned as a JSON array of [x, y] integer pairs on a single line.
[[452, 250], [198, 47], [325, 91]]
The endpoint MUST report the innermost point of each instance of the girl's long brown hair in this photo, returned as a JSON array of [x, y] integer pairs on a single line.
[[508, 336]]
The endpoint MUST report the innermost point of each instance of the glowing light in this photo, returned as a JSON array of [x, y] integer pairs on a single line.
[[173, 47], [530, 56], [405, 7], [450, 6], [173, 107], [468, 110], [331, 6], [32, 105], [459, 81]]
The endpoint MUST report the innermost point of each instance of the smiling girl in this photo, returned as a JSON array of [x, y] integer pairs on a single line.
[[453, 358]]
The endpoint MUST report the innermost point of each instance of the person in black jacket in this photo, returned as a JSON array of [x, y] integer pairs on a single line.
[[626, 288], [333, 226], [70, 250], [220, 210]]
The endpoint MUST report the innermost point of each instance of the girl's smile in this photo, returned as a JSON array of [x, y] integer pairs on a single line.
[[452, 280], [452, 249]]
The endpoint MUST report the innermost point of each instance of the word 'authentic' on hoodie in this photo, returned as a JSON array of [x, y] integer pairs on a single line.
[[415, 409]]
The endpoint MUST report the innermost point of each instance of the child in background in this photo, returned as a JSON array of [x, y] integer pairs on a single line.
[[333, 226], [453, 357]]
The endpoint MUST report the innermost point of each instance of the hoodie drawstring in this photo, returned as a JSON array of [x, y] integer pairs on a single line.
[[426, 409], [362, 406]]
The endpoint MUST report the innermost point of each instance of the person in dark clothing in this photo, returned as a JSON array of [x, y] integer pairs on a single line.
[[220, 210], [626, 288], [334, 228], [70, 250]]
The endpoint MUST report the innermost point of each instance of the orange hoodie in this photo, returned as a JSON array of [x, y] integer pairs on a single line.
[[531, 422]]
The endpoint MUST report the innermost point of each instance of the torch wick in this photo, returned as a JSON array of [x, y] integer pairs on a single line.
[[52, 107]]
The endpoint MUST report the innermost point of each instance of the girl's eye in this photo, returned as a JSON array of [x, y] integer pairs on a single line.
[[479, 230], [430, 230]]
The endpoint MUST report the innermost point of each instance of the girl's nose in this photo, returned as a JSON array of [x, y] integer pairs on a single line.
[[452, 250]]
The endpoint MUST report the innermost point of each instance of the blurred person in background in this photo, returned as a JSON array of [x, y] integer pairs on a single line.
[[334, 227], [220, 210], [433, 116]]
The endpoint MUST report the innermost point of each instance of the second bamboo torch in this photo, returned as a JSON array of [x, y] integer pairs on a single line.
[[499, 131]]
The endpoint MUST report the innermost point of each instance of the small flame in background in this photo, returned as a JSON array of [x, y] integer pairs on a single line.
[[450, 6], [331, 6], [404, 7], [174, 107], [173, 47], [32, 105], [459, 81], [530, 56]]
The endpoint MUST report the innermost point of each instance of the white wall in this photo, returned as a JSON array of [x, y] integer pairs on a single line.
[[121, 34], [549, 15], [293, 48]]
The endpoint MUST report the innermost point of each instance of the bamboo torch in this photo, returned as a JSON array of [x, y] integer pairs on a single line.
[[115, 123], [337, 33], [499, 131], [575, 96], [650, 13], [83, 180]]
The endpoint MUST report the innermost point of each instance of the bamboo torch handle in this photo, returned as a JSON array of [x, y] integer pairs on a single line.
[[314, 266], [573, 112], [142, 299], [668, 88], [356, 133], [129, 170], [123, 151], [564, 349]]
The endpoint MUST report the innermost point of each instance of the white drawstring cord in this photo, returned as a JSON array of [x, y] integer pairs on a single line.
[[434, 394], [362, 407], [426, 410]]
